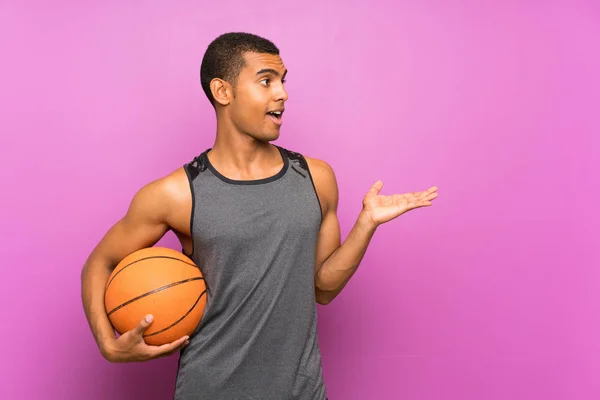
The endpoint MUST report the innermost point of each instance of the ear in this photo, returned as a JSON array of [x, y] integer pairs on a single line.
[[222, 91]]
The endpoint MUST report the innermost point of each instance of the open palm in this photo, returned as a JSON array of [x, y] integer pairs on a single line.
[[382, 209]]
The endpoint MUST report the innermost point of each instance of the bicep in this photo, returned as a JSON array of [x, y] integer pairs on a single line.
[[329, 239], [142, 226]]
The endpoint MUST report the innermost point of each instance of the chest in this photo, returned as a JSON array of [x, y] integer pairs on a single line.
[[238, 217]]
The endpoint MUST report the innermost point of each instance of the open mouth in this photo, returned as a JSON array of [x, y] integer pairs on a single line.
[[275, 116]]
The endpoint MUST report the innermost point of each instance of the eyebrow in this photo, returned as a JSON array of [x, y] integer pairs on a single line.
[[271, 71]]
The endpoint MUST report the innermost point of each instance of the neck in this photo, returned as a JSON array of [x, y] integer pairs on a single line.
[[238, 154]]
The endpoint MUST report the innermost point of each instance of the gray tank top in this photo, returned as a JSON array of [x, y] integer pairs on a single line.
[[255, 242]]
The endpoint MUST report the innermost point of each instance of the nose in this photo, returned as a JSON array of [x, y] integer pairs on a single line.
[[281, 94]]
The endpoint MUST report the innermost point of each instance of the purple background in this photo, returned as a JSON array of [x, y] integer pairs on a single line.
[[492, 293]]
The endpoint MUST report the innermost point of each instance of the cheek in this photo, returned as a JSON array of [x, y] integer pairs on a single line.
[[253, 106], [250, 115], [256, 98], [251, 103]]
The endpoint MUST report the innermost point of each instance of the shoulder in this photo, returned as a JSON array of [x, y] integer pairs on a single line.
[[175, 186], [163, 195], [172, 187], [320, 169], [324, 179], [316, 166]]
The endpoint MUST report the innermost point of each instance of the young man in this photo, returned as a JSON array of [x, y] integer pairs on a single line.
[[260, 222]]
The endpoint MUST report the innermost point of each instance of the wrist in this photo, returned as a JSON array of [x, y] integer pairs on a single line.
[[366, 222], [107, 349]]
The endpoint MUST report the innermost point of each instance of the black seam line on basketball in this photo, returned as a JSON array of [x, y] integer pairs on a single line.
[[179, 320], [154, 291], [146, 258]]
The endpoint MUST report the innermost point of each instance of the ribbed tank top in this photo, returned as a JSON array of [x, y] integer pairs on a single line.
[[255, 243]]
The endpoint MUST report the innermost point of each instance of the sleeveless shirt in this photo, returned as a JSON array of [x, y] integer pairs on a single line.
[[255, 243]]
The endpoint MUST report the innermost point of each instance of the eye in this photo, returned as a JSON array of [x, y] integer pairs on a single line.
[[283, 80], [266, 81]]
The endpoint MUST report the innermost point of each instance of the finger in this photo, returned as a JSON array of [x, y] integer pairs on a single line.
[[428, 194], [143, 325], [177, 349], [420, 204], [169, 347], [429, 191], [376, 188], [428, 197]]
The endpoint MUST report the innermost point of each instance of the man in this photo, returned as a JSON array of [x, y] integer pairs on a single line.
[[260, 222]]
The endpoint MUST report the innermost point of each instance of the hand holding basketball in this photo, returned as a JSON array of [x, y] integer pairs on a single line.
[[131, 346], [155, 298]]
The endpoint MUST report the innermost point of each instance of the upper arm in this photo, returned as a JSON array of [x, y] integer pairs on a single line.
[[329, 239], [145, 222]]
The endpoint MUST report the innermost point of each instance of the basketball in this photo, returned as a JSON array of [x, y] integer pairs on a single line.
[[158, 281]]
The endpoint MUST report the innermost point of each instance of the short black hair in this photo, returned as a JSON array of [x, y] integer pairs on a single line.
[[224, 59]]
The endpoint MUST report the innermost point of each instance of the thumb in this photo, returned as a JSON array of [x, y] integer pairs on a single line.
[[376, 188], [143, 324]]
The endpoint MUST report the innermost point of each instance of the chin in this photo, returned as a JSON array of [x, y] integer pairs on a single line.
[[265, 137], [270, 137]]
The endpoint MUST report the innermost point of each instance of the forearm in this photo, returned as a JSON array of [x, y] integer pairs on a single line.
[[337, 270], [94, 277]]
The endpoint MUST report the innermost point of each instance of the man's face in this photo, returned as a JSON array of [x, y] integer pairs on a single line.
[[258, 105]]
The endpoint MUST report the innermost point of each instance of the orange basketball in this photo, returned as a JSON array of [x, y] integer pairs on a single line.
[[158, 281]]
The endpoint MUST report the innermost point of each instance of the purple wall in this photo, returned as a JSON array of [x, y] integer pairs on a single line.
[[492, 293]]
